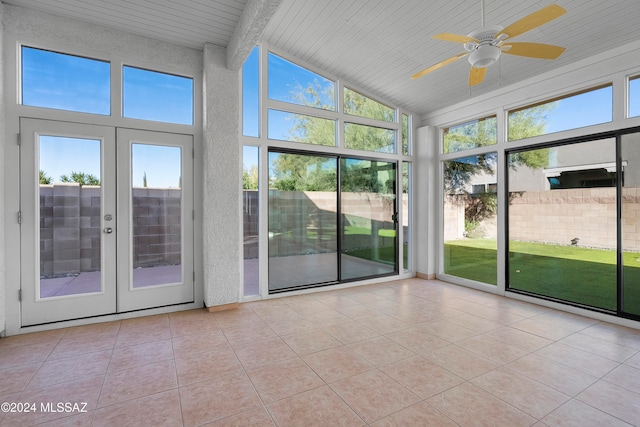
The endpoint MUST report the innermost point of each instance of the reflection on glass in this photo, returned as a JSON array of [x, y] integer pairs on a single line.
[[161, 97], [630, 152], [65, 82], [470, 208], [251, 94], [473, 134], [70, 208], [301, 128], [250, 214], [369, 138], [406, 208], [368, 208], [405, 134], [291, 83], [562, 222], [156, 200], [302, 220], [360, 105], [571, 112]]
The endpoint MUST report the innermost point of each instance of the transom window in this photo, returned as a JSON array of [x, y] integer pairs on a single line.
[[74, 83], [586, 108], [294, 84], [161, 97], [472, 134], [65, 82]]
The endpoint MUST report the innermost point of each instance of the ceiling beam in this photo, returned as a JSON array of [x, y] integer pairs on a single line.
[[253, 21]]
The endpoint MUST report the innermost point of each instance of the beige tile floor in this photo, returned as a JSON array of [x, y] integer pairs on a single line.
[[404, 353]]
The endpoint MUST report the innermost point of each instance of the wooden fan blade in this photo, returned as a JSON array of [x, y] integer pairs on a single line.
[[534, 20], [533, 50], [476, 75], [439, 65], [456, 38]]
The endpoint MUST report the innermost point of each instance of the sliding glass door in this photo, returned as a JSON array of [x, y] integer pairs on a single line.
[[630, 292], [368, 208], [331, 219], [303, 220], [562, 222]]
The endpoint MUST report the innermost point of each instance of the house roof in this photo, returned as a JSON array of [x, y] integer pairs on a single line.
[[373, 44]]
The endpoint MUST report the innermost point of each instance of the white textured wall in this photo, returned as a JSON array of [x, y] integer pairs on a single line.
[[30, 25], [424, 191], [68, 35], [222, 243], [2, 180]]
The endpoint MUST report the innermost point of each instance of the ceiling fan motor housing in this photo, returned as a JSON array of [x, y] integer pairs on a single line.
[[487, 51]]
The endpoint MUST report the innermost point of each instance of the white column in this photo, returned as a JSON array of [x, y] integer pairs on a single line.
[[222, 245]]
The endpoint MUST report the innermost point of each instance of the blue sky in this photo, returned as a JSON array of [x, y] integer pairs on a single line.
[[73, 83]]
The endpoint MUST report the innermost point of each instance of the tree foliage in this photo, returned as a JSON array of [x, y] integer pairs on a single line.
[[81, 178], [250, 177], [481, 133], [44, 178], [303, 173]]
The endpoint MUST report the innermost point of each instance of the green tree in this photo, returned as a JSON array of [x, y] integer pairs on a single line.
[[293, 172], [44, 178], [250, 177], [81, 178]]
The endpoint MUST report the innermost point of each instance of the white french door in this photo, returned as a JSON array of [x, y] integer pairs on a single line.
[[106, 220]]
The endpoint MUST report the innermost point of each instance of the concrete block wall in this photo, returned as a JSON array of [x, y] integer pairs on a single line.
[[320, 208], [558, 216], [70, 228]]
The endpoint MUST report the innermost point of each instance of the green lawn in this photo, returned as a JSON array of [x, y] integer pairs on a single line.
[[581, 275]]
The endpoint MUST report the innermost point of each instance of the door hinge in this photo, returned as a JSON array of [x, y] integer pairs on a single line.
[[193, 153], [19, 139], [194, 277], [20, 295], [19, 217], [193, 214]]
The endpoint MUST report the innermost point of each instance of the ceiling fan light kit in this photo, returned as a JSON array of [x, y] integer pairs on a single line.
[[484, 46]]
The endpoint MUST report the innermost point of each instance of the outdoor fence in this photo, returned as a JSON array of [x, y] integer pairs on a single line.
[[558, 216], [71, 228]]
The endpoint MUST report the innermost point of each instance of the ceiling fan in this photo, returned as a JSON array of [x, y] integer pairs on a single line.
[[484, 46]]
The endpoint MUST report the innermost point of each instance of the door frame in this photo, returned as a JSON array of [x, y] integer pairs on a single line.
[[29, 231], [128, 297]]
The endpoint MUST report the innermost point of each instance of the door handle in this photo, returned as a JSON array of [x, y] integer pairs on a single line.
[[108, 230]]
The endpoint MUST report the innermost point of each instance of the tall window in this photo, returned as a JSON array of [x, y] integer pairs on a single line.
[[251, 94], [562, 222], [250, 216], [470, 226]]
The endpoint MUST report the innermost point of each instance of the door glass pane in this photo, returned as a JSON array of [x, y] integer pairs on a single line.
[[630, 152], [250, 223], [368, 210], [470, 209], [156, 178], [70, 207], [302, 220], [562, 222]]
